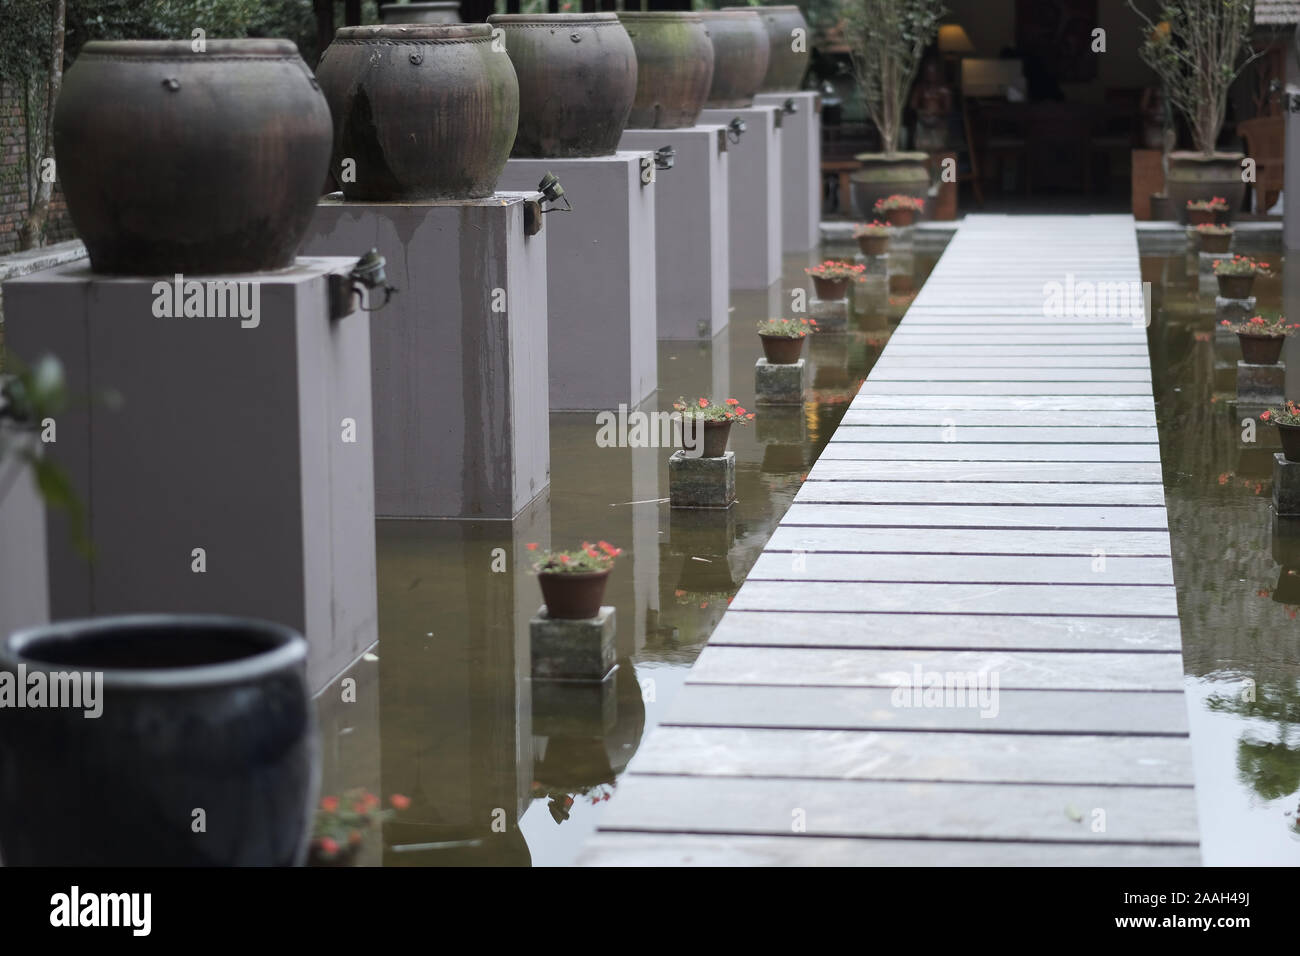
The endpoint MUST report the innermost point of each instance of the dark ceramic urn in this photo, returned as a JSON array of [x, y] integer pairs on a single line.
[[674, 67]]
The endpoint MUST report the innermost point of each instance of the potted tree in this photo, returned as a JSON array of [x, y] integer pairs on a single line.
[[887, 39], [1236, 276], [1287, 420], [831, 278], [783, 339], [1261, 338], [714, 421], [873, 238], [573, 582], [1197, 49]]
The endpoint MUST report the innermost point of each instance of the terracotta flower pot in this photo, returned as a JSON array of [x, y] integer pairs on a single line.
[[1235, 287], [1290, 435], [1211, 242], [782, 349], [900, 217], [715, 437], [573, 595], [874, 245], [830, 289], [1261, 349]]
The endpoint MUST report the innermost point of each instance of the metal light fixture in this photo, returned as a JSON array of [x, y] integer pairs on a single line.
[[790, 106], [735, 129], [553, 192], [369, 273], [665, 157]]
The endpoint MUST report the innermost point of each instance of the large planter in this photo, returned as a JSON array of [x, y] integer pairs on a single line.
[[904, 174], [1194, 176], [426, 112], [577, 82], [782, 349], [197, 712], [785, 67], [175, 161], [674, 67], [444, 12], [1261, 349], [1290, 435], [572, 595], [1235, 287], [740, 56]]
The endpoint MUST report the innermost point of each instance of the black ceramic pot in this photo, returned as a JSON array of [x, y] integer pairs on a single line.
[[203, 719]]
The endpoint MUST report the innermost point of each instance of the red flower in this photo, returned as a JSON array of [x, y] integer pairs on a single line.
[[1265, 416], [354, 837], [328, 846], [531, 546], [329, 804], [704, 403], [733, 401], [399, 802]]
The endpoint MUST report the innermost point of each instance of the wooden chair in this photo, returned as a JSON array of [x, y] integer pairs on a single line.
[[1264, 136]]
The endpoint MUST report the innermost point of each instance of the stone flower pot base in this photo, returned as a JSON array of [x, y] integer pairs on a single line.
[[1261, 384], [702, 482], [573, 648], [1286, 473], [779, 384]]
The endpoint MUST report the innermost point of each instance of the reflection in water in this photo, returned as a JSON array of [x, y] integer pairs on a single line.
[[1236, 597], [502, 769]]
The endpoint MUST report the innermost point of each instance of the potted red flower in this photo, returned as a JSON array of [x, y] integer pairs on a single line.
[[873, 238], [1236, 276], [900, 210], [783, 339], [1261, 338], [1214, 237], [713, 421], [573, 582], [1287, 420], [339, 829], [831, 279], [1206, 210]]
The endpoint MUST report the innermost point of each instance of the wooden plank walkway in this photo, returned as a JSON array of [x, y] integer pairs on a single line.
[[990, 509]]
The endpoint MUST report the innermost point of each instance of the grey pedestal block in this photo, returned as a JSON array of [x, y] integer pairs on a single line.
[[601, 293], [24, 583], [701, 482], [692, 243], [458, 357], [573, 650], [1264, 384], [782, 425], [1286, 485], [1234, 310], [250, 443], [755, 184], [575, 708], [801, 168], [831, 315], [779, 384]]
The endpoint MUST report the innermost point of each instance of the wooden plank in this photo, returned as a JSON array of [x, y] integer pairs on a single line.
[[832, 469], [938, 375], [1111, 543], [966, 568], [978, 493], [677, 850], [1131, 518], [1028, 403], [1005, 417], [873, 708], [991, 757], [1014, 598], [954, 451], [1023, 670], [968, 811], [1011, 388], [951, 432]]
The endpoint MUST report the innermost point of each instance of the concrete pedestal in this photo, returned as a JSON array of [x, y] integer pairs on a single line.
[[1284, 540], [1234, 310], [754, 205], [702, 482], [1286, 485], [573, 650], [801, 168], [575, 708], [458, 357], [692, 242], [24, 583], [831, 315], [600, 270], [779, 384], [877, 265], [236, 476], [1261, 384], [1291, 211]]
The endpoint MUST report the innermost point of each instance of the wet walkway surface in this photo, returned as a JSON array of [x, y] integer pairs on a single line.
[[961, 643]]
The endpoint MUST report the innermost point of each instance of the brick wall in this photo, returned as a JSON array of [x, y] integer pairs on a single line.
[[13, 182]]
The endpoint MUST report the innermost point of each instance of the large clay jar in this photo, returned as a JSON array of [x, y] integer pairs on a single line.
[[740, 55], [577, 80], [191, 711], [446, 11], [424, 111], [177, 161], [674, 67], [785, 66]]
